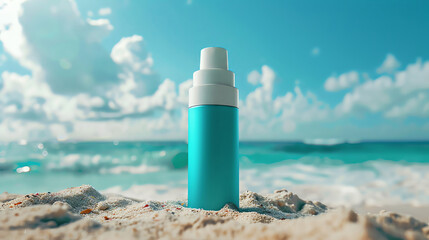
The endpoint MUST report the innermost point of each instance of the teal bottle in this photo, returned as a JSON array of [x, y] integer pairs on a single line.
[[213, 169]]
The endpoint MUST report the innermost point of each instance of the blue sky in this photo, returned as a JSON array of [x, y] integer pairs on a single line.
[[108, 70]]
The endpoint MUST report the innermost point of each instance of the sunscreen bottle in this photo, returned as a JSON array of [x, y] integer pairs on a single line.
[[213, 176]]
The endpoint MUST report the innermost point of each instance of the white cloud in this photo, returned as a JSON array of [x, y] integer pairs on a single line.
[[101, 22], [77, 90], [400, 96], [258, 103], [11, 33], [296, 114], [136, 63], [414, 106], [48, 115], [60, 98], [344, 81], [104, 11], [34, 101], [413, 78], [164, 127], [389, 65], [372, 95], [15, 130], [263, 116], [11, 109], [184, 92], [50, 39], [25, 94], [254, 77], [129, 51]]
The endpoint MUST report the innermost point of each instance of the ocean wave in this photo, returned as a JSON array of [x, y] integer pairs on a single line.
[[130, 169], [374, 183], [324, 141], [340, 174]]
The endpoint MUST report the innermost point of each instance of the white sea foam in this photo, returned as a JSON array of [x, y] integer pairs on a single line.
[[322, 141], [328, 141], [143, 168], [375, 183], [70, 160]]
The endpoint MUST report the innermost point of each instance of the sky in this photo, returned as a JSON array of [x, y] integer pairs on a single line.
[[92, 70]]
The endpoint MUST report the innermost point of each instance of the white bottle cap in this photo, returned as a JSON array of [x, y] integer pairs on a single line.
[[213, 84], [214, 57]]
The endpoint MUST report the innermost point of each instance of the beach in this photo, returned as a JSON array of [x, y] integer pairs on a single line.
[[299, 120], [143, 186], [83, 212]]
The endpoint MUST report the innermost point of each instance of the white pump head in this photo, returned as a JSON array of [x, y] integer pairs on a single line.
[[213, 84], [214, 57]]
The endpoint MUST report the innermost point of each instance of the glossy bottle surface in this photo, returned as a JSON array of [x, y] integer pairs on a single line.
[[213, 170]]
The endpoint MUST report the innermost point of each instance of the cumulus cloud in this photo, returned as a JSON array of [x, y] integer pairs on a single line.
[[413, 78], [345, 80], [184, 92], [75, 82], [103, 23], [373, 95], [49, 38], [398, 96], [262, 115], [136, 63], [297, 114], [104, 11], [254, 77], [414, 106], [77, 89], [258, 103], [389, 65]]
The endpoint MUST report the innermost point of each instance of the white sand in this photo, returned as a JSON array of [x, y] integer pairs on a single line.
[[420, 213], [281, 215]]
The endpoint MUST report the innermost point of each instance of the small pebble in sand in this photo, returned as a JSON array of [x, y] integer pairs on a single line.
[[86, 211], [63, 205], [102, 206]]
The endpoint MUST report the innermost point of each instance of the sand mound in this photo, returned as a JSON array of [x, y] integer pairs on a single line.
[[82, 212]]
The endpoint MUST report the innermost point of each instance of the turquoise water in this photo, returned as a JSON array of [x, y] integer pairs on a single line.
[[370, 173]]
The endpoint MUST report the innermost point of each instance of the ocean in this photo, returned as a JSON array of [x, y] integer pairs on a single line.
[[336, 173]]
